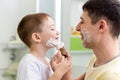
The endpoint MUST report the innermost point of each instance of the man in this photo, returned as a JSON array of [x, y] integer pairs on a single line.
[[100, 28]]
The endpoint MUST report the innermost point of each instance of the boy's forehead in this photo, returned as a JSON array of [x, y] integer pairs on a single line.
[[49, 21], [49, 24]]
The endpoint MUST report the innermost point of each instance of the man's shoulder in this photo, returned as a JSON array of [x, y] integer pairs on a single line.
[[109, 75]]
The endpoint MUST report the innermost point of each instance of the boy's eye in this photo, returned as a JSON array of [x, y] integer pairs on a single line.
[[52, 29]]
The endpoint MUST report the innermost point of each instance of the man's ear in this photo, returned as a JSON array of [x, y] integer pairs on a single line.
[[102, 25], [36, 37]]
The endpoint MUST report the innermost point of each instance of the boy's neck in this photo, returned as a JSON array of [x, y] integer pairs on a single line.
[[39, 53]]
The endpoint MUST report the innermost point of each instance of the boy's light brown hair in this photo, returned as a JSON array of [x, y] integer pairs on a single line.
[[30, 24]]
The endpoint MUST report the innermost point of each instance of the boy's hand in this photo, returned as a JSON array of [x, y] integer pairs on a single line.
[[57, 60], [60, 64], [68, 75]]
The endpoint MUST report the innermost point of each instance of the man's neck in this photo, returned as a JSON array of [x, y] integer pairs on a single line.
[[106, 52]]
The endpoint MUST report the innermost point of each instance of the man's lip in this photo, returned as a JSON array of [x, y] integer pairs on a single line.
[[81, 36]]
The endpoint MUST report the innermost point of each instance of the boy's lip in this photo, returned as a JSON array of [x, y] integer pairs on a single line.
[[57, 38]]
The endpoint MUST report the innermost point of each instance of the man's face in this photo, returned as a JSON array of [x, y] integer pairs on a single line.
[[87, 30]]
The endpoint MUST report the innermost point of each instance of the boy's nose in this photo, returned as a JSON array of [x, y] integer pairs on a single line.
[[57, 32]]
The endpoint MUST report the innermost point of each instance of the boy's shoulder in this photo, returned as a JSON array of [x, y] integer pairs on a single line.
[[29, 59]]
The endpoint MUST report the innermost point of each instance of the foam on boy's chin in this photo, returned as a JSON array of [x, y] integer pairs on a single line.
[[54, 43], [60, 45]]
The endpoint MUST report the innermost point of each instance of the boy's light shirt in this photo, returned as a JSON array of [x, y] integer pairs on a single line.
[[31, 68], [108, 71]]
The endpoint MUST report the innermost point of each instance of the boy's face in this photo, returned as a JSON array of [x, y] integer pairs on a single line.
[[49, 31]]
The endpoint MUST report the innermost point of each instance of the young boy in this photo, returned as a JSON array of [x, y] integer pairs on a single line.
[[35, 30]]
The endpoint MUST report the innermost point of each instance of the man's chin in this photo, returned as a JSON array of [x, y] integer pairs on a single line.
[[85, 44]]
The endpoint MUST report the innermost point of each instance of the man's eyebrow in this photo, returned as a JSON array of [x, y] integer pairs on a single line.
[[81, 18]]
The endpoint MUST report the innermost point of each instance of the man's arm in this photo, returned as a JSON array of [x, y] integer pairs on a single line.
[[82, 77]]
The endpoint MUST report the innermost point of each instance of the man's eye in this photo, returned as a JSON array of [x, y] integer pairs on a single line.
[[81, 22]]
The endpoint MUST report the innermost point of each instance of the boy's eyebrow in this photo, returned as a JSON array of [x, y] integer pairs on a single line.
[[52, 25]]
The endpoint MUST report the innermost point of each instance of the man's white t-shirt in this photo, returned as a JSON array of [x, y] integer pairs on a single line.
[[31, 68]]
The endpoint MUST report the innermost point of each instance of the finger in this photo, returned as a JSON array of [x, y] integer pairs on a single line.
[[58, 55], [69, 58], [62, 59], [51, 59], [69, 66], [65, 59], [53, 65]]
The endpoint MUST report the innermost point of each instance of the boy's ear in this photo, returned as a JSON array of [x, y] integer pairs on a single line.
[[36, 37], [102, 25]]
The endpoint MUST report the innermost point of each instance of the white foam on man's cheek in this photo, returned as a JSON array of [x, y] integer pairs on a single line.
[[86, 35]]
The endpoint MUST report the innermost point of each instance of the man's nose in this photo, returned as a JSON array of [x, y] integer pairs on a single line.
[[78, 27]]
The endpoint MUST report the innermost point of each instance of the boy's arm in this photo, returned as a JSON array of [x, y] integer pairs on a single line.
[[68, 75], [56, 76]]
